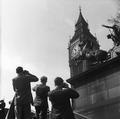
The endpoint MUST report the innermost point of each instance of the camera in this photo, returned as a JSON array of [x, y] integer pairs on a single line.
[[65, 85], [2, 104]]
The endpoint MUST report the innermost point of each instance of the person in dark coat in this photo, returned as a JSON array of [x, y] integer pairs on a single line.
[[41, 99], [23, 98], [60, 99], [2, 109]]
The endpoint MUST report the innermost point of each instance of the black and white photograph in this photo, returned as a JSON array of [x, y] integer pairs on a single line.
[[59, 59]]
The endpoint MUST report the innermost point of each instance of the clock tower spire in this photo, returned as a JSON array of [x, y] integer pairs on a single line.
[[81, 42]]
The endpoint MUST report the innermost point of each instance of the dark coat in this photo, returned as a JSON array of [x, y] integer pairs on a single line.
[[61, 107], [41, 95], [22, 88]]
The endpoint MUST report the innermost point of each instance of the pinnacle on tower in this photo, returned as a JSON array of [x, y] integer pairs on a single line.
[[81, 21]]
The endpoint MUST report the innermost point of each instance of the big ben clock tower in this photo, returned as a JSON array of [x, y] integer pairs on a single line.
[[81, 43]]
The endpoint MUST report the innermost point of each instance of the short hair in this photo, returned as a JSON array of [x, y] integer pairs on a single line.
[[58, 81], [19, 69], [43, 79]]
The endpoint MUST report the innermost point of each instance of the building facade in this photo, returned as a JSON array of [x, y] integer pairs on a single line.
[[98, 85], [99, 90]]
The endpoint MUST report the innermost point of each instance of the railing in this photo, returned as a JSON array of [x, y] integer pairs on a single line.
[[80, 116], [77, 116]]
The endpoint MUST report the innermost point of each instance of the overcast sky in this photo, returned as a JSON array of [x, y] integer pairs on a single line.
[[36, 33]]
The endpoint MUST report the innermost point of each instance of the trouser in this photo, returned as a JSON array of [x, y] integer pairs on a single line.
[[42, 111], [23, 111]]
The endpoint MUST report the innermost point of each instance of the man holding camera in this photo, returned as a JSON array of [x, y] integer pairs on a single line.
[[23, 96], [60, 99]]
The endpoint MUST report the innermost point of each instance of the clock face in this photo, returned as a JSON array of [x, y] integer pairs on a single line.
[[75, 50]]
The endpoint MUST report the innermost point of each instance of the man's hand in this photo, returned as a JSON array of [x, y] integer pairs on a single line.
[[65, 85]]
